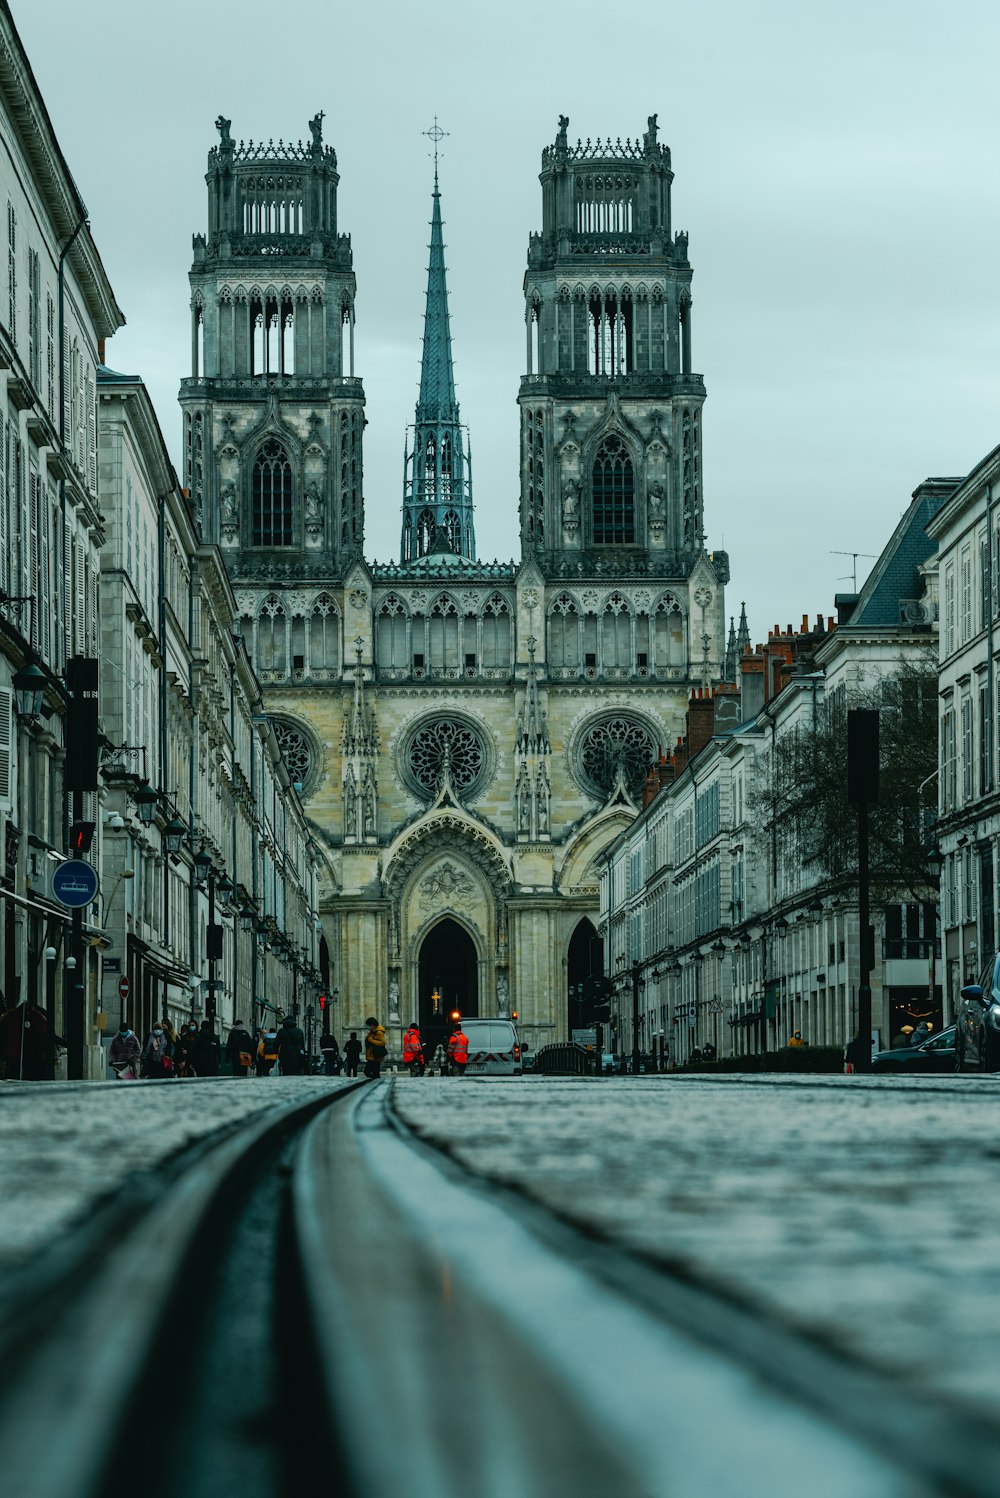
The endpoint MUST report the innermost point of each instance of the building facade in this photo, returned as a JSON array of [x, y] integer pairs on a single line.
[[967, 531], [209, 870], [468, 736], [719, 928], [57, 305]]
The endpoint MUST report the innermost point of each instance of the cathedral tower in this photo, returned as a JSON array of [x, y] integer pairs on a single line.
[[610, 407], [437, 483], [273, 412]]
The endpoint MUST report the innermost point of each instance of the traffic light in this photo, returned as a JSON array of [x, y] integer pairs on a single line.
[[81, 835]]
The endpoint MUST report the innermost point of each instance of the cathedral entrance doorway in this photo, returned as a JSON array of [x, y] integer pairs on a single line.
[[448, 981], [582, 962]]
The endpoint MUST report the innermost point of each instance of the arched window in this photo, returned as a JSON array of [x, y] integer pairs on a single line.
[[453, 530], [425, 532], [323, 634], [391, 637], [564, 635], [616, 634], [442, 636], [272, 496], [272, 636], [669, 644], [613, 495], [496, 632]]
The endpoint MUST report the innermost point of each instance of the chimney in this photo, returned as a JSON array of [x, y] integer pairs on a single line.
[[700, 722]]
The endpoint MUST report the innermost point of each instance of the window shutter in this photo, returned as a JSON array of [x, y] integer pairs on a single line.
[[6, 726]]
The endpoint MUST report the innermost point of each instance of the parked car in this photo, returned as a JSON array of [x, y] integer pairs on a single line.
[[609, 1063], [935, 1054], [978, 1021], [527, 1060]]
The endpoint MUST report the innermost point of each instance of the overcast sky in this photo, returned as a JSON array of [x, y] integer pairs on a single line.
[[835, 166]]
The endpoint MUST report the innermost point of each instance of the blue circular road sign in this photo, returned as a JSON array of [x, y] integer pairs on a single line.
[[75, 883]]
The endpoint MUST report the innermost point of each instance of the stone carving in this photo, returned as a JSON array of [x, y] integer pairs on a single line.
[[703, 597], [393, 998], [530, 597], [358, 598], [230, 511], [656, 503], [503, 995], [561, 141], [571, 506], [649, 139], [223, 126], [447, 885], [316, 127]]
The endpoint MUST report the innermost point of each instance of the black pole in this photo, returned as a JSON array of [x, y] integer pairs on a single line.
[[763, 993], [211, 948], [864, 1052], [75, 1027], [636, 974], [863, 792]]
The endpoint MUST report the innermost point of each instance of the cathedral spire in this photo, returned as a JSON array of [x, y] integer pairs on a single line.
[[437, 480]]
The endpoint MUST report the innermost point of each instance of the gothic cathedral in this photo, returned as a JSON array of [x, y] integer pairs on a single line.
[[468, 737]]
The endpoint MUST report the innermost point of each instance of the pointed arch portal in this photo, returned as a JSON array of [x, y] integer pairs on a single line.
[[583, 961], [448, 967]]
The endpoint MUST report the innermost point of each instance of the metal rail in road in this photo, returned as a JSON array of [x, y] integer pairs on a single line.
[[322, 1301]]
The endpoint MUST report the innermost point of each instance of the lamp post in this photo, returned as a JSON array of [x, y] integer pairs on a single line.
[[637, 981], [206, 878]]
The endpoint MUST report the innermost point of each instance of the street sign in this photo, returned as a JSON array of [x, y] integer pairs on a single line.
[[111, 965], [75, 883], [584, 1037], [124, 987]]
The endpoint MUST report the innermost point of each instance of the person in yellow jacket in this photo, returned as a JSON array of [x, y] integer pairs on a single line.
[[374, 1047]]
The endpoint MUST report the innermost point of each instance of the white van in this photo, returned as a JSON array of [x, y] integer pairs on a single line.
[[494, 1049]]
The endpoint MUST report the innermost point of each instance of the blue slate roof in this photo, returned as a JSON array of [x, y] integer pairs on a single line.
[[896, 575]]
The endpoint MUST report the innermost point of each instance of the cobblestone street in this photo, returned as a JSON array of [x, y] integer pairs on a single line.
[[866, 1212]]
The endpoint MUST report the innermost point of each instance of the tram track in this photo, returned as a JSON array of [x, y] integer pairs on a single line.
[[323, 1299]]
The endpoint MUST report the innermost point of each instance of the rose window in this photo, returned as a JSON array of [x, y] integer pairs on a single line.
[[295, 750], [617, 743], [445, 741]]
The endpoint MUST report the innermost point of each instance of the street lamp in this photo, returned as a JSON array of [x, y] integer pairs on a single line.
[[204, 877], [174, 834], [146, 802], [29, 690]]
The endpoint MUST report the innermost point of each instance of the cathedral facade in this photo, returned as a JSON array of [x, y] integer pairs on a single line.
[[468, 737]]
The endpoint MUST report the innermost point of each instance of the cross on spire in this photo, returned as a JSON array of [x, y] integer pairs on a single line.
[[436, 134]]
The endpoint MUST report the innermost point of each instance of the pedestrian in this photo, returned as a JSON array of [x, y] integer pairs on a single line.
[[922, 1031], [158, 1054], [291, 1049], [205, 1051], [352, 1055], [413, 1050], [796, 1039], [267, 1051], [184, 1050], [330, 1051], [23, 1035], [439, 1060], [902, 1040], [239, 1049], [123, 1053], [374, 1048], [458, 1050]]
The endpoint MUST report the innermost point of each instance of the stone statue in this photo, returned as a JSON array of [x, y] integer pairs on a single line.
[[524, 811], [570, 501], [561, 137], [314, 501], [394, 996], [503, 994], [222, 125], [350, 815], [316, 126], [656, 500], [228, 501], [543, 811], [369, 813]]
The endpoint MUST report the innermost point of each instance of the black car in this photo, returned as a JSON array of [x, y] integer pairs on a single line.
[[978, 1021], [936, 1053]]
